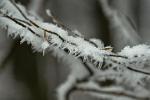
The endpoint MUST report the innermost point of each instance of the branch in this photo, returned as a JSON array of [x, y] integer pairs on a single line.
[[126, 69], [43, 36], [109, 92]]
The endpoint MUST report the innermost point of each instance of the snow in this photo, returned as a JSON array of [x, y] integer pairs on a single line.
[[98, 42], [136, 50], [136, 57]]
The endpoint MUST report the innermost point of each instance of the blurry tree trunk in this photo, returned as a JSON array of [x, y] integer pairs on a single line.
[[144, 19], [122, 29]]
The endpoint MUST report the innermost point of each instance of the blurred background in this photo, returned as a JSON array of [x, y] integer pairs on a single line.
[[31, 76]]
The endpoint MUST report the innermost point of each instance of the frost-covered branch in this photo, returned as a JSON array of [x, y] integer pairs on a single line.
[[128, 69], [43, 36], [115, 80]]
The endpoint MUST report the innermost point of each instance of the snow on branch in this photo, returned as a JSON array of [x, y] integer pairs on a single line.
[[119, 73], [44, 36], [117, 79]]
